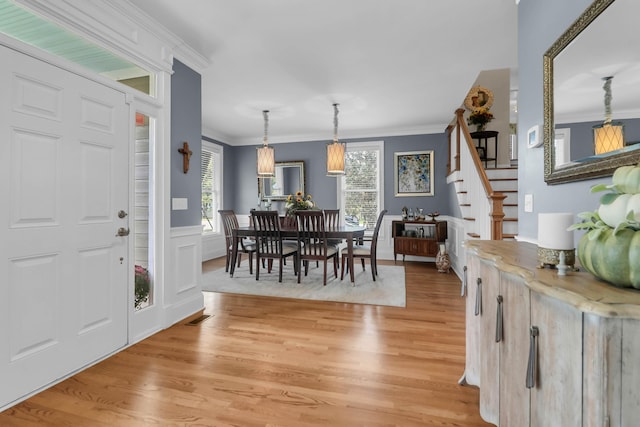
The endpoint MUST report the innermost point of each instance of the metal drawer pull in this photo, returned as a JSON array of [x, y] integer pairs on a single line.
[[463, 287], [532, 366], [479, 297], [499, 320]]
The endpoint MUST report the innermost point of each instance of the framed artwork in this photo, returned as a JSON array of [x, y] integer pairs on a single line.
[[533, 137], [413, 173]]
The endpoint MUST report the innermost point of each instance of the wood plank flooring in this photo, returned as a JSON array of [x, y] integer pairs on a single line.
[[260, 361]]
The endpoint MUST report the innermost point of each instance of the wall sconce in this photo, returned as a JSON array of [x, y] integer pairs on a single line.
[[608, 136]]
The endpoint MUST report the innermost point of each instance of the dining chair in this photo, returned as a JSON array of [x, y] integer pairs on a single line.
[[312, 243], [332, 220], [289, 222], [229, 222], [270, 243], [363, 251]]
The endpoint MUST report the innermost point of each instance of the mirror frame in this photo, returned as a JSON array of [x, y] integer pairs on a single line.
[[299, 163], [593, 168]]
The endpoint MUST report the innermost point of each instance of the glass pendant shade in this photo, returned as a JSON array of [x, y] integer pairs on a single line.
[[265, 155], [608, 137], [266, 161], [335, 158], [335, 150]]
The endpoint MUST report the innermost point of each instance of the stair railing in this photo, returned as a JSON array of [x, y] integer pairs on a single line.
[[463, 157]]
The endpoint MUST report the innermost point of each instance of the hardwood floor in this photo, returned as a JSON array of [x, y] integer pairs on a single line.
[[260, 361]]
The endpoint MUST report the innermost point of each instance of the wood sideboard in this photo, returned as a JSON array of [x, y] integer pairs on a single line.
[[548, 350], [422, 242]]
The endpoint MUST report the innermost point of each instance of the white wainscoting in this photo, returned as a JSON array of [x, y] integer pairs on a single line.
[[213, 246], [183, 287]]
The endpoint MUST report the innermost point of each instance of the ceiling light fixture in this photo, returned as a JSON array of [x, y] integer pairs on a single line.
[[335, 150], [608, 136], [266, 164]]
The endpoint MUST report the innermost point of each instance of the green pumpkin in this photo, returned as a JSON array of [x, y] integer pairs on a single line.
[[627, 179], [617, 211], [614, 258]]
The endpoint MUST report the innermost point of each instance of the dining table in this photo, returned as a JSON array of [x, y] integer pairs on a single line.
[[346, 232]]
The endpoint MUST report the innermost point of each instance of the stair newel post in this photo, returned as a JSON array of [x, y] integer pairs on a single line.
[[497, 214]]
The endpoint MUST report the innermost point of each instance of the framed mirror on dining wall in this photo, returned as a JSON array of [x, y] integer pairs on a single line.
[[592, 94], [289, 178]]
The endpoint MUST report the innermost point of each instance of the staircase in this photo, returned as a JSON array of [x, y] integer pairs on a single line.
[[502, 180], [488, 197]]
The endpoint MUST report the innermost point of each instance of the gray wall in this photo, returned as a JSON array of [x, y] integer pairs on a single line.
[[186, 125], [540, 23], [242, 182]]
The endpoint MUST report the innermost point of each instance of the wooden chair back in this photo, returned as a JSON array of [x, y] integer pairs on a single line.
[[331, 218], [229, 222], [376, 232], [267, 227], [289, 222], [312, 242]]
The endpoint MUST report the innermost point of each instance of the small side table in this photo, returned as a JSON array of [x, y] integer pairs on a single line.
[[483, 138]]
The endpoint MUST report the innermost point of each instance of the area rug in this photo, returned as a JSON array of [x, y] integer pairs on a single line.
[[388, 289]]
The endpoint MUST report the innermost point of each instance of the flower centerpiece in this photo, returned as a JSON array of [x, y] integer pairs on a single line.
[[610, 249], [298, 202], [480, 117], [142, 285]]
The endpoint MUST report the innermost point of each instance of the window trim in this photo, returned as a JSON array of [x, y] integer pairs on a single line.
[[359, 146]]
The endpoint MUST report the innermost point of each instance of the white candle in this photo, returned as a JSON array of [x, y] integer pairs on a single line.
[[552, 231]]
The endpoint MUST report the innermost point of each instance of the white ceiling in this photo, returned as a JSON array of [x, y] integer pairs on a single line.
[[395, 66]]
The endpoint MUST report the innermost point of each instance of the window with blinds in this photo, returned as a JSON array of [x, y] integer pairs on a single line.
[[211, 179]]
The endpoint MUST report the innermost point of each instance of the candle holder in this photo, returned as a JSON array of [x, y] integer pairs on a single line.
[[554, 232], [551, 258]]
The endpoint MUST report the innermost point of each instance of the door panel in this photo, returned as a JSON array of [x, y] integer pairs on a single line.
[[472, 323], [557, 397], [63, 272], [489, 348], [514, 351]]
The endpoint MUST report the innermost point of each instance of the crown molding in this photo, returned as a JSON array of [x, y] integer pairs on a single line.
[[327, 137]]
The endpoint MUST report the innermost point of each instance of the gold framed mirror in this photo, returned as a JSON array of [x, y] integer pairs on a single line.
[[289, 178], [601, 43]]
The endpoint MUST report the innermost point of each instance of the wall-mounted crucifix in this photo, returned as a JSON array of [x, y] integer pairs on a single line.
[[186, 156]]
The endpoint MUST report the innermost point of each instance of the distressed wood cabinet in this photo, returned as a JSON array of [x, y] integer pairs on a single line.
[[545, 349]]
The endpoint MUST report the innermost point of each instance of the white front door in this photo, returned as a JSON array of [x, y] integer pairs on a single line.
[[63, 179]]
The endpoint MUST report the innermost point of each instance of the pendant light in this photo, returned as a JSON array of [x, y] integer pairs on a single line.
[[266, 156], [608, 136], [335, 150]]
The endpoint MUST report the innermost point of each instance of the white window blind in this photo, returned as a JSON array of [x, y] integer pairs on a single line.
[[211, 179]]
